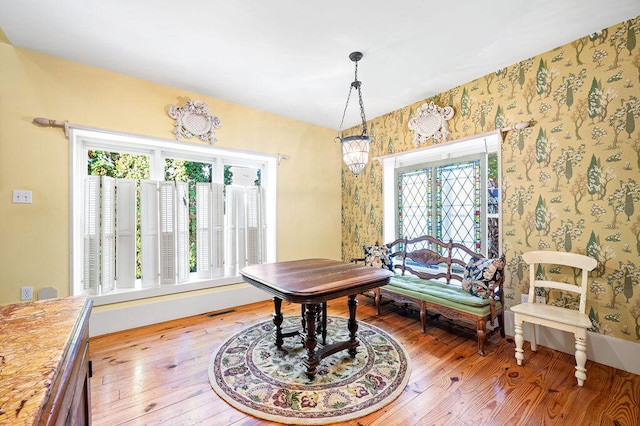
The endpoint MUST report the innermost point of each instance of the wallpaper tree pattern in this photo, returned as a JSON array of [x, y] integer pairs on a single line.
[[570, 181]]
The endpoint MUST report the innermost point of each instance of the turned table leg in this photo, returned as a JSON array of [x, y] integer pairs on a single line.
[[310, 340], [321, 320], [277, 321], [352, 325], [324, 323]]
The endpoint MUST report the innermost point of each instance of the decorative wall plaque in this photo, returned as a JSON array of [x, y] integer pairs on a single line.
[[430, 121], [194, 119]]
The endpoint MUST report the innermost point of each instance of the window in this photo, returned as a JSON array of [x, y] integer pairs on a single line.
[[443, 201], [152, 217], [448, 191]]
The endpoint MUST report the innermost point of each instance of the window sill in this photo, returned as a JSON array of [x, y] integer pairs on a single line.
[[127, 295]]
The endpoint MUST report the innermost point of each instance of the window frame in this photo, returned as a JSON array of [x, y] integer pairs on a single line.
[[81, 140], [447, 152]]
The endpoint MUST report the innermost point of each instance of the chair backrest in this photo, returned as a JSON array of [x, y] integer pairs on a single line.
[[585, 263]]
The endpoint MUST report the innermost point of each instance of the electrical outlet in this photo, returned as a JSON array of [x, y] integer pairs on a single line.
[[26, 293]]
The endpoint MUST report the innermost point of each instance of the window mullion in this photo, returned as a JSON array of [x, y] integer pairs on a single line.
[[157, 165]]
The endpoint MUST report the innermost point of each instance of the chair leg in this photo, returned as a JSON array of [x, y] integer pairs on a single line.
[[501, 325], [581, 359], [519, 340], [532, 333]]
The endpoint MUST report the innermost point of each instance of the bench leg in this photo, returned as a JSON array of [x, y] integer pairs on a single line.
[[482, 335], [376, 299], [423, 317]]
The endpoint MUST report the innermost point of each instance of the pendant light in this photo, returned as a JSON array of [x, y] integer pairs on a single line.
[[355, 149]]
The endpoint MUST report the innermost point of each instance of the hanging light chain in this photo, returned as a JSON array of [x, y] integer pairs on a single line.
[[355, 84], [364, 118], [344, 113]]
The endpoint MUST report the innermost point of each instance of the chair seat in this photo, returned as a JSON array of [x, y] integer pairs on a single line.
[[553, 314]]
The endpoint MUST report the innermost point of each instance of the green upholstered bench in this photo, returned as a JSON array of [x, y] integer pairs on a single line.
[[431, 275]]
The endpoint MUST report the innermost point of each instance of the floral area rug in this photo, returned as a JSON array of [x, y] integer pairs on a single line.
[[253, 376]]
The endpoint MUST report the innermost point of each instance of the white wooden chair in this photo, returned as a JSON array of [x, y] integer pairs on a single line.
[[574, 321]]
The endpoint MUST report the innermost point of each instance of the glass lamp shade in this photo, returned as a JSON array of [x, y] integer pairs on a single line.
[[355, 152]]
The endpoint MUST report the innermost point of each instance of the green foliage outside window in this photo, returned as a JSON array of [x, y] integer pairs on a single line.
[[190, 172], [492, 167]]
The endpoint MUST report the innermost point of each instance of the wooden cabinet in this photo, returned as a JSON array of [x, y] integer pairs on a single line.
[[70, 399], [45, 368]]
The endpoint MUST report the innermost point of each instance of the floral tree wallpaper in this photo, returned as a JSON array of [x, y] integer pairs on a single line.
[[570, 181]]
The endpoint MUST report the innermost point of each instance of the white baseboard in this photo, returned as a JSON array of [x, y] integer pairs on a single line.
[[611, 351], [132, 316]]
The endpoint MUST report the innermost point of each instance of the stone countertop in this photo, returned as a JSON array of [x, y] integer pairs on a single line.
[[34, 339]]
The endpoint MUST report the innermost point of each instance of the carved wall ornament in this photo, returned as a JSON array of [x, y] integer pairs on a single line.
[[430, 121], [194, 119]]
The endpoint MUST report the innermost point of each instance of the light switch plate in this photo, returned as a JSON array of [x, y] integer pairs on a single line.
[[21, 196]]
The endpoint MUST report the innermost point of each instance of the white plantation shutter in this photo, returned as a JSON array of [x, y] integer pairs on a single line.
[[91, 238], [167, 233], [126, 233], [254, 225], [149, 244], [263, 224], [217, 229], [230, 232], [108, 220], [182, 228], [230, 243], [236, 229], [203, 230]]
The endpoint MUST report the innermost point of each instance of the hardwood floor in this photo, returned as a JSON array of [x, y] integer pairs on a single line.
[[158, 375]]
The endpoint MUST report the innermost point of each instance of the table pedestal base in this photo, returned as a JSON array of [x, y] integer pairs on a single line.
[[311, 313]]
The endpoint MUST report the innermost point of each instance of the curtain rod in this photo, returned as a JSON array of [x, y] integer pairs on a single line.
[[66, 126], [52, 123], [501, 131]]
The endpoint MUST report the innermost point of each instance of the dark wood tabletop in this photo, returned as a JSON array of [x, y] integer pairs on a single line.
[[314, 280]]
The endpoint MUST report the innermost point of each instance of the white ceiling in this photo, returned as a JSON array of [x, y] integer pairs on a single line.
[[290, 57]]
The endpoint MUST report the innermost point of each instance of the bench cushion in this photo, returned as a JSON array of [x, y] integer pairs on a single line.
[[451, 296]]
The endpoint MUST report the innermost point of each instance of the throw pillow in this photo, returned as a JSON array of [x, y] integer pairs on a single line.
[[480, 273], [378, 257]]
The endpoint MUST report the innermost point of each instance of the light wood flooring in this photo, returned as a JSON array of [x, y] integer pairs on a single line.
[[157, 375]]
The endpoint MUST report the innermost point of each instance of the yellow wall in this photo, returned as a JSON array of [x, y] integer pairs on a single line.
[[34, 239], [603, 221]]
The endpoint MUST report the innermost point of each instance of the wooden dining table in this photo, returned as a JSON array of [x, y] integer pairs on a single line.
[[311, 283]]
